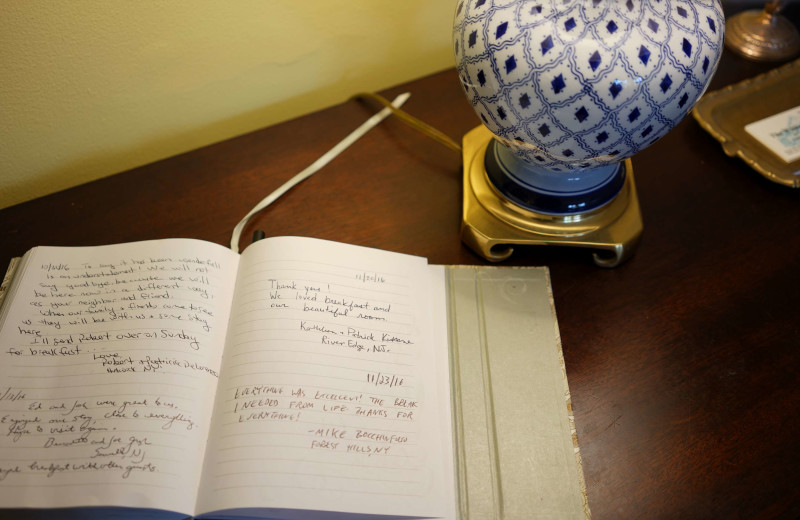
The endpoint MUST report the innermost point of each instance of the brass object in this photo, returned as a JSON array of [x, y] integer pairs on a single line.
[[724, 114], [764, 35], [491, 223]]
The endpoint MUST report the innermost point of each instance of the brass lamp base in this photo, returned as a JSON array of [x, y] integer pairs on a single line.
[[762, 35], [491, 223]]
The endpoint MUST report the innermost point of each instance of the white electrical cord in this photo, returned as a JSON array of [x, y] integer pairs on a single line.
[[316, 166]]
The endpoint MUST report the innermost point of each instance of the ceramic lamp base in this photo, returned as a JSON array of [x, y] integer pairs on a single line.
[[492, 224]]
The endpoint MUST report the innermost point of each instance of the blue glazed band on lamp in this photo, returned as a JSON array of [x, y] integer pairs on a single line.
[[571, 89], [551, 192]]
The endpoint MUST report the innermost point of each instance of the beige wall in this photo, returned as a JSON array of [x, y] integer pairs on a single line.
[[91, 88]]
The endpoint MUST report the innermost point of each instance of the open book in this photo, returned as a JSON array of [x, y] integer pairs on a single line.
[[301, 379], [301, 376]]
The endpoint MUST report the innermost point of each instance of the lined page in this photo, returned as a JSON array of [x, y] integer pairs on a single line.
[[110, 361], [330, 398]]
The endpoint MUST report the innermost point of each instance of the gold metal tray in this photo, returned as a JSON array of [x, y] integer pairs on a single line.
[[724, 114]]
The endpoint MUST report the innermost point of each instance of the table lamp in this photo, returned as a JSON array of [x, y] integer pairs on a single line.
[[568, 91]]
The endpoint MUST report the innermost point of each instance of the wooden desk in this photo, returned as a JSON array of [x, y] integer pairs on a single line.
[[683, 362]]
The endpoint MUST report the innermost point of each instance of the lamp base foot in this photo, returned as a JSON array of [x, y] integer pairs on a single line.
[[492, 224]]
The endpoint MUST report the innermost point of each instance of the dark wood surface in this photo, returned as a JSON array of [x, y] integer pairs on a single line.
[[683, 362]]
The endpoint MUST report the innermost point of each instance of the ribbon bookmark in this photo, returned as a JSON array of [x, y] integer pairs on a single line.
[[316, 166]]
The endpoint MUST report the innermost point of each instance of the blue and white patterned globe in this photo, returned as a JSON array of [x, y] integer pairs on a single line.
[[577, 84]]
